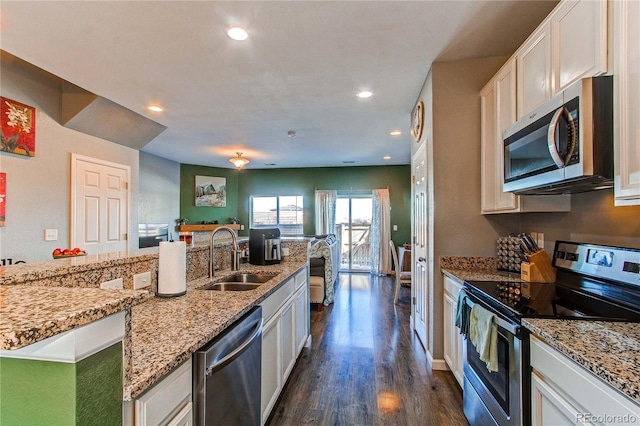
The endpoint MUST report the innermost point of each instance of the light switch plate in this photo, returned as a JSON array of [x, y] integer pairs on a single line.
[[50, 234], [142, 280], [395, 227], [116, 284]]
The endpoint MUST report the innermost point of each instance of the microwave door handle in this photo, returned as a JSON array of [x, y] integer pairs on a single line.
[[551, 139]]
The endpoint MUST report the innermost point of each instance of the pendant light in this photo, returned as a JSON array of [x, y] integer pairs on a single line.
[[238, 161]]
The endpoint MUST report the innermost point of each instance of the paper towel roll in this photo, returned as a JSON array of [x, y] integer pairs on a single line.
[[172, 269]]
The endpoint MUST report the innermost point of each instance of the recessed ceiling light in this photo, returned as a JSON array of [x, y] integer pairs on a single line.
[[238, 33], [155, 108], [386, 157], [395, 133], [364, 94]]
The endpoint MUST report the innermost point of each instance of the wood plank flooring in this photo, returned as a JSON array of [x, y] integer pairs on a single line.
[[365, 366]]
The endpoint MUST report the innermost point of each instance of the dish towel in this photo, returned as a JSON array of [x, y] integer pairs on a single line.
[[463, 312], [483, 333]]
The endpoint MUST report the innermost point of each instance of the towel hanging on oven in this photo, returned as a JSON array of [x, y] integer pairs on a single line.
[[463, 312], [483, 333]]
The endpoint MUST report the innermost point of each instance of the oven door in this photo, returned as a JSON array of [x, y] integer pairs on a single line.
[[495, 397], [538, 148]]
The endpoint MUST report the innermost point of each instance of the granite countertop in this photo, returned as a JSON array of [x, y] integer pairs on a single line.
[[610, 350], [165, 332], [30, 314]]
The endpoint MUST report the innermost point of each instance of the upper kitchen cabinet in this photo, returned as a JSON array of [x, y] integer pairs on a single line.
[[579, 37], [570, 44], [498, 111], [626, 52], [534, 70]]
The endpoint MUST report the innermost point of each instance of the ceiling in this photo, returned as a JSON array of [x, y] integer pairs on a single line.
[[299, 70]]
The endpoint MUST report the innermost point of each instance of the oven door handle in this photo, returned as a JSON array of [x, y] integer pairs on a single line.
[[510, 327]]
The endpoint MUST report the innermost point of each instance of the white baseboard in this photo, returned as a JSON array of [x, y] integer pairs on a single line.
[[436, 364]]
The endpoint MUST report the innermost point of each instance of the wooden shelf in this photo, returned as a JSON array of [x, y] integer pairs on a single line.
[[201, 227]]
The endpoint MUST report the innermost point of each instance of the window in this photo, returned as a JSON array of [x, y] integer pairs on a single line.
[[283, 212]]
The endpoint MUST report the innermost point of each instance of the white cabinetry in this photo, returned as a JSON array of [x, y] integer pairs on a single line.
[[168, 402], [534, 70], [579, 36], [563, 392], [626, 52], [570, 44], [284, 334], [498, 111], [454, 347]]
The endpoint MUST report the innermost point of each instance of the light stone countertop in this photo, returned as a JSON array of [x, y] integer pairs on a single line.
[[611, 350], [165, 332], [30, 314]]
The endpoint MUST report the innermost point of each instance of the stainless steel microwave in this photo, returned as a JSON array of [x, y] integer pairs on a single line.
[[565, 145]]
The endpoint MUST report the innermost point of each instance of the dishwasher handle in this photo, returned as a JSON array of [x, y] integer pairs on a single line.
[[257, 333]]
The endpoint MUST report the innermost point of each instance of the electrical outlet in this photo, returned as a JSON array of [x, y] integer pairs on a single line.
[[50, 234], [540, 240], [141, 280], [242, 227], [116, 284]]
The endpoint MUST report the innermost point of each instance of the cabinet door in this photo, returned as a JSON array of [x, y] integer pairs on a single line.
[[534, 70], [287, 316], [505, 115], [548, 407], [184, 417], [271, 382], [626, 94], [449, 331], [488, 147], [579, 33], [302, 315]]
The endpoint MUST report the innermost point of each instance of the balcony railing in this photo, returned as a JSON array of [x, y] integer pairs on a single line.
[[360, 248]]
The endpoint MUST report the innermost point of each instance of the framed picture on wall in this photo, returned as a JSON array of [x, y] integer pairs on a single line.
[[3, 197], [18, 123], [211, 191]]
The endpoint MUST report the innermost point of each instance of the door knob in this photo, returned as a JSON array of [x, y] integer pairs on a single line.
[[421, 259]]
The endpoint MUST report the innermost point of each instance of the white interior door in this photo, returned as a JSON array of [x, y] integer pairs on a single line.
[[100, 205], [420, 228]]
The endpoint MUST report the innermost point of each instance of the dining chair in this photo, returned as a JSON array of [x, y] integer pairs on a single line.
[[402, 277]]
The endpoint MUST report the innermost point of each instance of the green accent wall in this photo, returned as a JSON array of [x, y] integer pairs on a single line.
[[188, 207], [242, 184], [57, 393]]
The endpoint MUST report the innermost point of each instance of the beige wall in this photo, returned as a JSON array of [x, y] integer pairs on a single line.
[[452, 133], [593, 219], [38, 195]]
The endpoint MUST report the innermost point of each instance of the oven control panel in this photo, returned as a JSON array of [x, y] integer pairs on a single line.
[[605, 262]]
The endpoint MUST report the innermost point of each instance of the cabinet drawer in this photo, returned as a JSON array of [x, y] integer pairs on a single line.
[[581, 388], [301, 278], [166, 398], [272, 303], [451, 286]]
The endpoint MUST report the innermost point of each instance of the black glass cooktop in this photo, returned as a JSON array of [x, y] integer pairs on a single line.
[[583, 299]]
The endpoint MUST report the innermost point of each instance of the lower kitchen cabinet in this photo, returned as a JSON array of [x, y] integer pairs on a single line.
[[563, 392], [168, 402], [454, 347], [286, 314]]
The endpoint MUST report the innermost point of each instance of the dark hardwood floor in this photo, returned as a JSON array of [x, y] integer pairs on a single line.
[[365, 366]]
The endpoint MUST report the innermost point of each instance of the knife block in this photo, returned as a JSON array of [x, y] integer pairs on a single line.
[[539, 269]]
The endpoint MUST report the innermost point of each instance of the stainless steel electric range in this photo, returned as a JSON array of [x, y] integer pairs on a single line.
[[593, 282]]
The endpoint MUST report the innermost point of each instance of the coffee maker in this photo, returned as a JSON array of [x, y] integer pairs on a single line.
[[264, 246]]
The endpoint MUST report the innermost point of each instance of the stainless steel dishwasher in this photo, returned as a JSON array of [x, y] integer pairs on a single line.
[[226, 383]]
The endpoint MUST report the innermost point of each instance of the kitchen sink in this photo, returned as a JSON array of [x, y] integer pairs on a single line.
[[239, 282], [224, 286], [240, 277]]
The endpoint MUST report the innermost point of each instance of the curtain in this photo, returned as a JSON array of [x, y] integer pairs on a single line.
[[326, 211], [381, 232]]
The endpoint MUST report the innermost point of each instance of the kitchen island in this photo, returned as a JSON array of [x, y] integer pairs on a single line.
[[46, 301]]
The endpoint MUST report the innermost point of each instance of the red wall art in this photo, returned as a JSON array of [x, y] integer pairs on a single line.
[[3, 197], [18, 127]]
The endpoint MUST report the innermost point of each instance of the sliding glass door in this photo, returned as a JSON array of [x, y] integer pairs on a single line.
[[353, 225]]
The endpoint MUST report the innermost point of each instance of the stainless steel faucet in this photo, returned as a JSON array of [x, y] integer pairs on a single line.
[[235, 259]]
